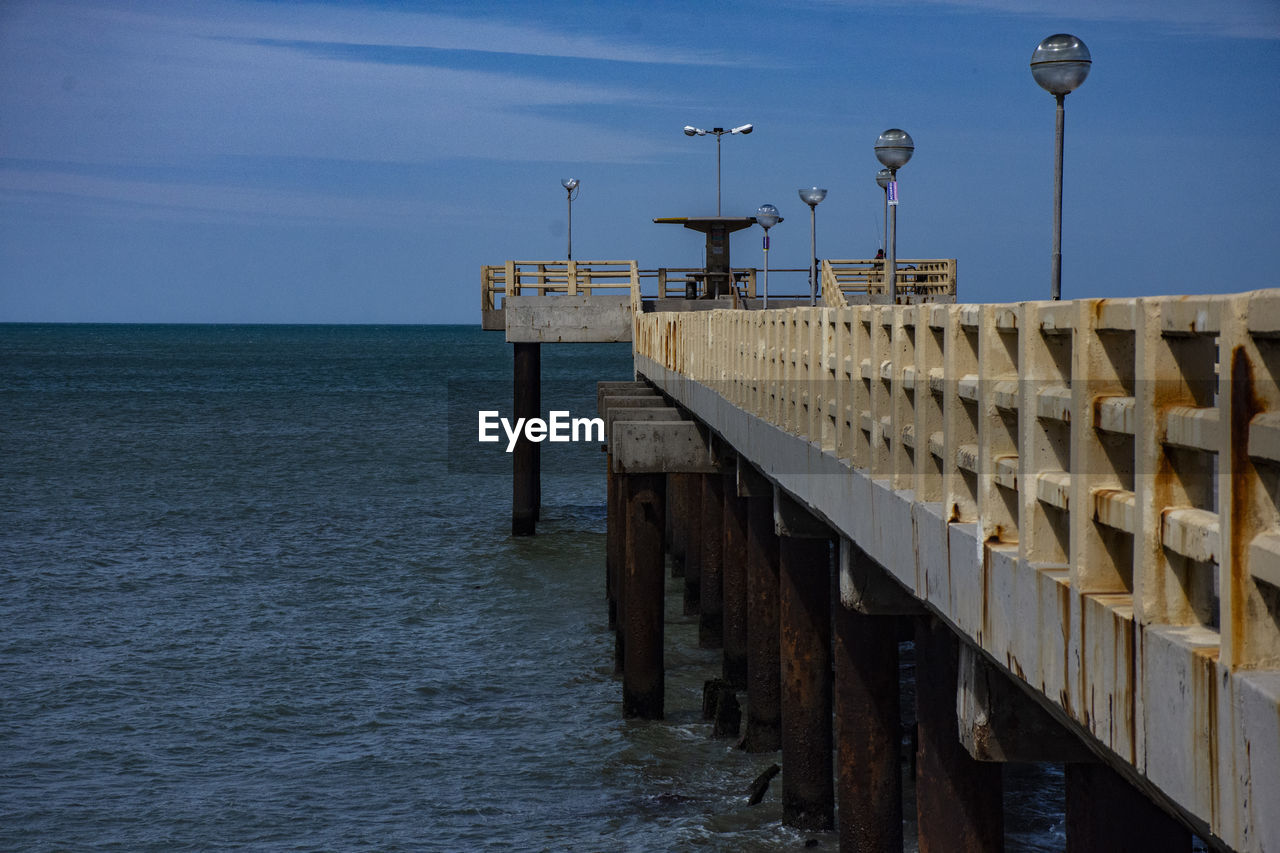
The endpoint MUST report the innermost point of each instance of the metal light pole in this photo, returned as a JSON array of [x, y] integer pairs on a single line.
[[767, 216], [1059, 64], [812, 196], [571, 187], [882, 180], [690, 130], [893, 149]]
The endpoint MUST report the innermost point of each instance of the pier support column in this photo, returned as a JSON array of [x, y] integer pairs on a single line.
[[711, 564], [643, 453], [959, 801], [612, 540], [616, 559], [867, 707], [808, 793], [1105, 814], [527, 403], [643, 675], [678, 520], [693, 544], [764, 714], [734, 578]]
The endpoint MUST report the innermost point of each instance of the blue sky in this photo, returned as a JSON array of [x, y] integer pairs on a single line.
[[343, 161]]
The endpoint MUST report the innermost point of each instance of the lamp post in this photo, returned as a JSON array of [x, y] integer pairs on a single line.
[[571, 188], [882, 180], [893, 149], [690, 130], [1059, 64], [811, 197], [767, 216]]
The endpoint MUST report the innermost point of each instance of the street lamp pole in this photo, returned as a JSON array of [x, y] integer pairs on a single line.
[[767, 216], [893, 149], [690, 130], [1059, 64], [571, 186], [812, 196], [882, 180]]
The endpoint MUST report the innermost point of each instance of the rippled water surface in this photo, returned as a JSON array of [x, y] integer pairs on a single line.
[[256, 591]]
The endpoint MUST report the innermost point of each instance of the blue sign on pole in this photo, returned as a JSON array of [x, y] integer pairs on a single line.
[[893, 192]]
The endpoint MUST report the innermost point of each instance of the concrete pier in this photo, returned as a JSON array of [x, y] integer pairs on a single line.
[[1071, 502]]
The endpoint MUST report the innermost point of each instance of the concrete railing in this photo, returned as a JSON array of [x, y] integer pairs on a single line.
[[851, 282], [1088, 490], [544, 278]]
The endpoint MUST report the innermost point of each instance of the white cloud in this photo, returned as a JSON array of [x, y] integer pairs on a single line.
[[196, 202], [1247, 19], [101, 84]]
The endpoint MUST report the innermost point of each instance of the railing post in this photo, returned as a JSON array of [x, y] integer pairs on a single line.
[[930, 335], [905, 396], [998, 504], [1248, 477], [960, 414]]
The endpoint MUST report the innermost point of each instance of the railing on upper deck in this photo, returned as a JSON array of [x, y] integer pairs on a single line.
[[1021, 416], [842, 281], [537, 278], [847, 282]]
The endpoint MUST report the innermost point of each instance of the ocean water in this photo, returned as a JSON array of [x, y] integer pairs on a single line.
[[257, 592]]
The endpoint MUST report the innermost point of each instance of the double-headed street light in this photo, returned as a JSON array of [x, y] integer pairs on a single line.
[[812, 196], [767, 216], [571, 187], [1060, 63], [690, 130], [893, 149]]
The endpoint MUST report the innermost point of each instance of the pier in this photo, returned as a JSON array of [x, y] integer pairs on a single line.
[[1070, 507]]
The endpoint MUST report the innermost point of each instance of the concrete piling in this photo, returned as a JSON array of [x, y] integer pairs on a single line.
[[959, 801], [527, 403], [711, 564], [734, 581], [1105, 814], [643, 677], [868, 731], [808, 794], [692, 485], [764, 714]]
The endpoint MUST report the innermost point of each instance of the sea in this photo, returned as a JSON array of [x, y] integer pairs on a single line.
[[258, 592]]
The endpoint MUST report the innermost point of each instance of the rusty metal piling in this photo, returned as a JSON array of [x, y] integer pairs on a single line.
[[643, 678], [804, 571], [764, 715]]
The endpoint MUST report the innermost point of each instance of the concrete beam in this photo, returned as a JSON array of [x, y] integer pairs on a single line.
[[568, 319], [643, 413], [622, 389], [867, 588], [999, 722], [639, 400], [751, 483], [660, 447], [792, 519]]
